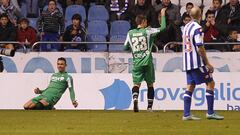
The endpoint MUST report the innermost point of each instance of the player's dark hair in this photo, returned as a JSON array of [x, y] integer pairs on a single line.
[[52, 1], [220, 1], [189, 4], [63, 59], [209, 12], [140, 18]]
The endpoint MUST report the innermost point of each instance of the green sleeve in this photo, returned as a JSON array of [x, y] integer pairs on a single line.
[[127, 43], [163, 23], [41, 91], [71, 89], [154, 31]]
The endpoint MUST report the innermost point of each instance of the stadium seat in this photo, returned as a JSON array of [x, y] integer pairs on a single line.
[[33, 22], [96, 47], [73, 9], [72, 50], [119, 27], [196, 2], [117, 47], [32, 8], [98, 12], [59, 7], [97, 28], [24, 9]]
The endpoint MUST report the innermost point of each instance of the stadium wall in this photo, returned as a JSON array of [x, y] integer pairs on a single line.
[[109, 62], [113, 91], [99, 90]]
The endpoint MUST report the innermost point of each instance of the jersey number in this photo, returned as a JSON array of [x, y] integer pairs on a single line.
[[139, 44]]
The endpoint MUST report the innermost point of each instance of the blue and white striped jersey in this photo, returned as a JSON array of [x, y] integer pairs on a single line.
[[192, 38]]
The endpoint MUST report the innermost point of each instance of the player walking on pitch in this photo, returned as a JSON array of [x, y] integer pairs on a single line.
[[49, 97], [197, 67], [140, 41]]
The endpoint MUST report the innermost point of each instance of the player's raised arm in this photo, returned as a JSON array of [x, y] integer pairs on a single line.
[[71, 90], [162, 22], [163, 19]]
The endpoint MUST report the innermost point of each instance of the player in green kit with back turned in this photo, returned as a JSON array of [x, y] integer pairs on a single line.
[[140, 41], [60, 81]]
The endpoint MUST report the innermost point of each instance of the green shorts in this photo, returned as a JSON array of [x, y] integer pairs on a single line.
[[143, 73], [40, 97]]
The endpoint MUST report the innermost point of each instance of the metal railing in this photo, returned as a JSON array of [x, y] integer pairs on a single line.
[[62, 42], [20, 44], [212, 43]]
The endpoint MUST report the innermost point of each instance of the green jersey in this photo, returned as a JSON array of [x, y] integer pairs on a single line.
[[140, 41], [58, 85]]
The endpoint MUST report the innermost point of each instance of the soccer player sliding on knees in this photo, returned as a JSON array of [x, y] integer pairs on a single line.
[[140, 42], [51, 95], [197, 67]]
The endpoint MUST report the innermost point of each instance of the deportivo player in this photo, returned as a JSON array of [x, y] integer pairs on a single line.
[[197, 67], [140, 41], [50, 96]]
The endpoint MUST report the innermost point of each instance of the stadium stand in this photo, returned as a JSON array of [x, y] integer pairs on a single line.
[[24, 9], [116, 47], [97, 28], [73, 9], [33, 22], [120, 27], [97, 47], [98, 12]]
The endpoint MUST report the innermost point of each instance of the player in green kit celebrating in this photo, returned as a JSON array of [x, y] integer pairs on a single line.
[[60, 81], [140, 41]]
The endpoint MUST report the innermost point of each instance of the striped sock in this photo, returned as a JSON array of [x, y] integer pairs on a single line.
[[187, 103], [210, 100]]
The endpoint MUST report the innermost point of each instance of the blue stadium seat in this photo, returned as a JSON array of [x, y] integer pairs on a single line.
[[97, 28], [73, 9], [72, 50], [117, 47], [24, 9], [33, 22], [59, 7], [119, 27], [98, 12], [96, 47]]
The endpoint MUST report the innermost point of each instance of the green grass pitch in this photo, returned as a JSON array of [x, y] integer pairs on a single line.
[[58, 122]]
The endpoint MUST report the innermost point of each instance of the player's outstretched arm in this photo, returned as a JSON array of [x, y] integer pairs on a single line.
[[202, 53], [71, 90]]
